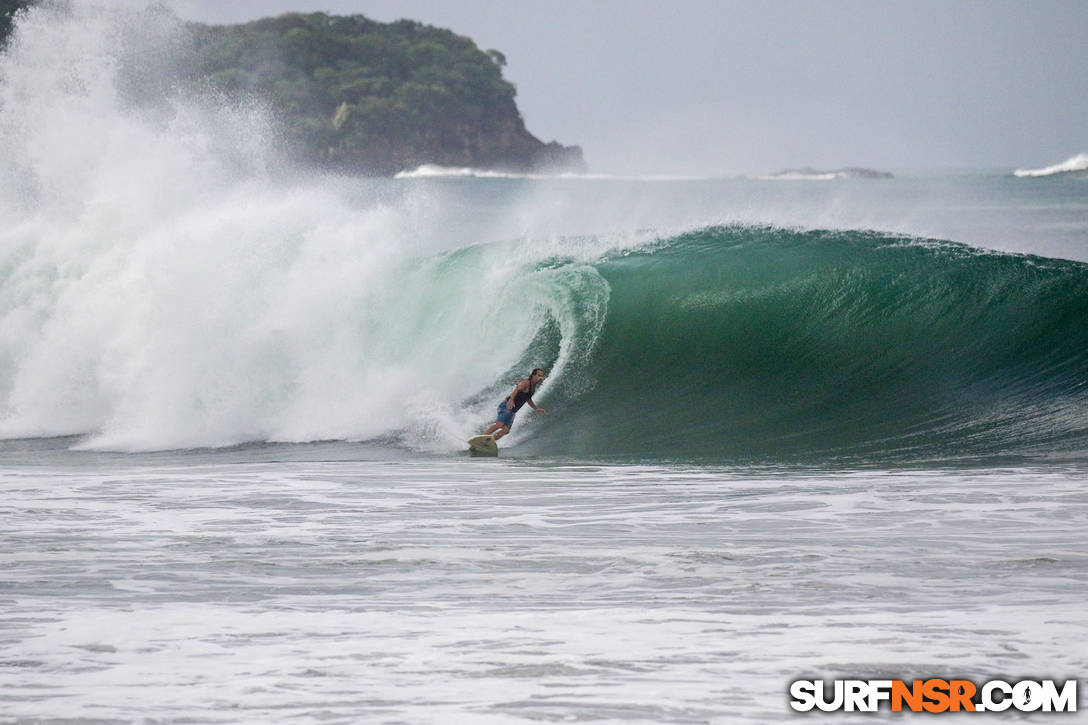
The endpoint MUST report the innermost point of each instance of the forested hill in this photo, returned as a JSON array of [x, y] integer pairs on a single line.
[[367, 97], [379, 97]]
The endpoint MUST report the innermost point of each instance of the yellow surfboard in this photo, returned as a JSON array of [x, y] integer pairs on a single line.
[[483, 446]]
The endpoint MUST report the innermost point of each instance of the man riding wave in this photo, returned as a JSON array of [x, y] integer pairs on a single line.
[[511, 404]]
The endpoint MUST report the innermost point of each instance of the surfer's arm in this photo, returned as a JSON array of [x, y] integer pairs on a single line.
[[536, 408]]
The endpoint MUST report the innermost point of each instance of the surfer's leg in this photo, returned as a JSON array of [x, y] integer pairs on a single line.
[[501, 426]]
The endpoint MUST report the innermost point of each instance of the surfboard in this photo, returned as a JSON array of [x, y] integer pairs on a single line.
[[483, 446]]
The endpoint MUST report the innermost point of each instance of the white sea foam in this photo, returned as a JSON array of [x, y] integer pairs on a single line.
[[206, 590], [433, 171], [162, 284], [825, 175], [800, 176], [429, 171], [1070, 165]]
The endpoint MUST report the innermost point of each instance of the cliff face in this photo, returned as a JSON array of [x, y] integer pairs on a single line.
[[378, 98]]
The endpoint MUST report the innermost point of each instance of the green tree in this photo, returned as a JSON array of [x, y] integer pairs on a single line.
[[376, 97]]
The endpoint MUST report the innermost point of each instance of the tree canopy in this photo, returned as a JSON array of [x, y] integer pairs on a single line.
[[364, 96], [377, 97]]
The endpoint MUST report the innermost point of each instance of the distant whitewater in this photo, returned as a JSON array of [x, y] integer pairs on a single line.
[[821, 175], [1078, 163], [433, 171]]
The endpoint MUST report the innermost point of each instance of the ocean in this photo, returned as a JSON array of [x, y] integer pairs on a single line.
[[798, 429]]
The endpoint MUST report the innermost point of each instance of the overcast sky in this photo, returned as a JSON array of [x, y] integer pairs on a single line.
[[724, 87]]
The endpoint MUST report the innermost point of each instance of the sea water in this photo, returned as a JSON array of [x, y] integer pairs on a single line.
[[797, 429]]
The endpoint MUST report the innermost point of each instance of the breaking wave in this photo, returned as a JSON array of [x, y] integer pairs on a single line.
[[165, 283], [1071, 165]]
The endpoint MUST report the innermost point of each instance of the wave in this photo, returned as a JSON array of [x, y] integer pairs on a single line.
[[166, 283], [163, 285], [432, 171], [1071, 165], [725, 343], [794, 176], [747, 342], [820, 175]]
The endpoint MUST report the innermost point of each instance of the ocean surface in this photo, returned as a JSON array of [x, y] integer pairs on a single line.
[[798, 428]]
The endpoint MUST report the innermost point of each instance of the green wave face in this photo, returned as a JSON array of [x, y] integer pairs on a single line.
[[738, 343]]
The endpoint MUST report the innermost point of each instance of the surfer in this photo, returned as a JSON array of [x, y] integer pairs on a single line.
[[523, 393]]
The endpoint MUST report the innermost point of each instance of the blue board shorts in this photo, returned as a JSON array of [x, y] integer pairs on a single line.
[[505, 414]]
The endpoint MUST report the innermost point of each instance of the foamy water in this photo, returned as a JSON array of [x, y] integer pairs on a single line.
[[165, 285], [432, 171], [468, 591]]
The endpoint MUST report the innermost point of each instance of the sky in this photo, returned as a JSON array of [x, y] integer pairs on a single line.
[[707, 87]]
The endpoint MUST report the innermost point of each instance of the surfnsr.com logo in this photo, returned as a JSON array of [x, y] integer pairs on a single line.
[[934, 695]]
